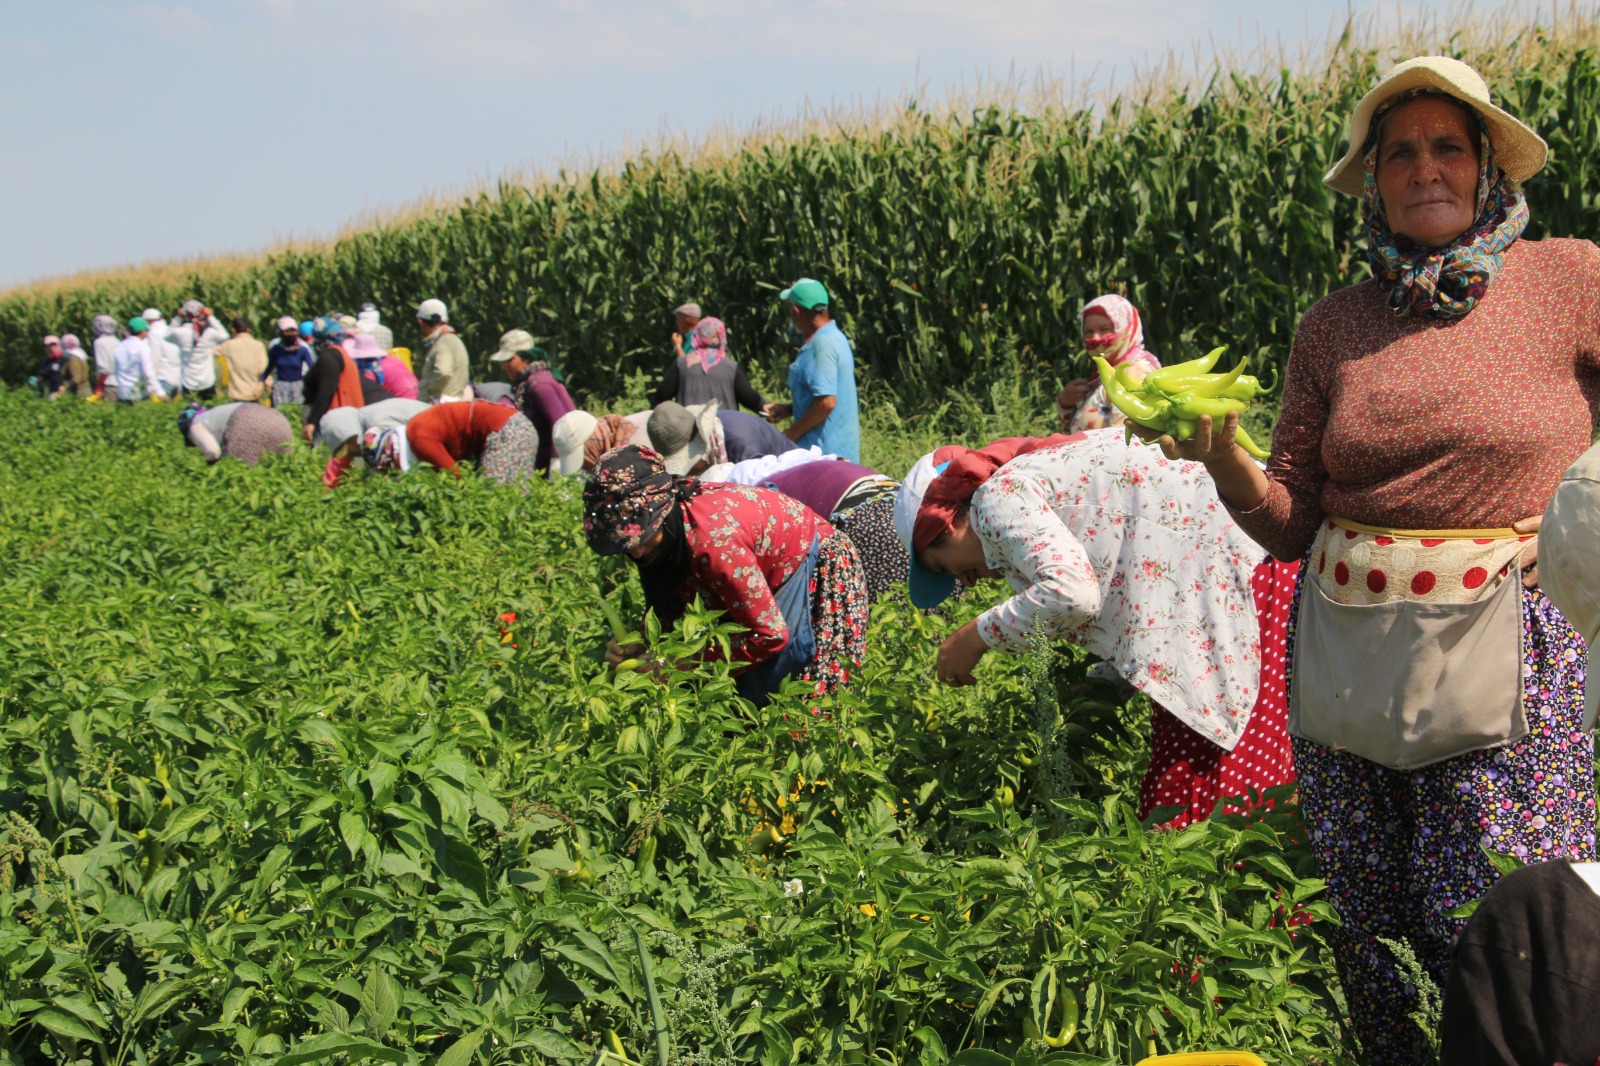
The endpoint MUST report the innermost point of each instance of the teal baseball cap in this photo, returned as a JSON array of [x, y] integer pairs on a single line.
[[807, 293], [138, 324]]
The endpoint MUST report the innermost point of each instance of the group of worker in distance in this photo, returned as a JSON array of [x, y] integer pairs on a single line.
[[1393, 612]]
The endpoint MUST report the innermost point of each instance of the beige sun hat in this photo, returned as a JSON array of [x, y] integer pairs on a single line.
[[1519, 151]]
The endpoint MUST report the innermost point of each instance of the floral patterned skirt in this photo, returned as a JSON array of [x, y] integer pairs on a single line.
[[838, 614], [885, 561], [510, 453], [1400, 849], [254, 430]]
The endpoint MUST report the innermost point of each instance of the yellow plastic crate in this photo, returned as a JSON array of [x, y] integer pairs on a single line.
[[404, 355], [1204, 1058]]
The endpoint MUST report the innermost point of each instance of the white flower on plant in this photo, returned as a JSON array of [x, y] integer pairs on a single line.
[[791, 889]]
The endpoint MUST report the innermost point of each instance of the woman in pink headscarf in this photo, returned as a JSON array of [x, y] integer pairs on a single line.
[[1112, 329]]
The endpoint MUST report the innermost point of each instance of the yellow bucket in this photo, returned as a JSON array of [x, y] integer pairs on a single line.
[[402, 354], [1204, 1058]]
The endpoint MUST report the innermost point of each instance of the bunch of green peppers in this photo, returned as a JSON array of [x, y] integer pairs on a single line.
[[1172, 399]]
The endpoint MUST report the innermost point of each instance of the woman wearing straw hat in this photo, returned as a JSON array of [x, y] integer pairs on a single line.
[[1428, 413]]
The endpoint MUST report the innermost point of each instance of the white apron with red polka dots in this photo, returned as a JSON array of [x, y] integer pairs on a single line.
[[1408, 649]]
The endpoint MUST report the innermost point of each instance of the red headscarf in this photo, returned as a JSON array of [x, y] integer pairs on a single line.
[[969, 468]]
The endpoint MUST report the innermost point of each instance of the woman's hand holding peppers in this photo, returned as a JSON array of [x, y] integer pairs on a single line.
[[1240, 482]]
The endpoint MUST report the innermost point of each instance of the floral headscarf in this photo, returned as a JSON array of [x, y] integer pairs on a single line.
[[103, 325], [186, 419], [385, 450], [629, 497], [1130, 330], [708, 344], [1442, 282]]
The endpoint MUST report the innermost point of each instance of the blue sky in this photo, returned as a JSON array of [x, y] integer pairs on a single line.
[[157, 130]]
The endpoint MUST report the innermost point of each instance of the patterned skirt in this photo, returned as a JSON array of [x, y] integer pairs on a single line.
[[1187, 770], [254, 430], [510, 452], [884, 560], [1400, 849], [838, 615]]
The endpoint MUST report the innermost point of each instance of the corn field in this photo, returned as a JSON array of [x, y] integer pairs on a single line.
[[946, 238]]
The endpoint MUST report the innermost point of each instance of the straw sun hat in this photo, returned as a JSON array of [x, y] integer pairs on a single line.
[[1519, 151]]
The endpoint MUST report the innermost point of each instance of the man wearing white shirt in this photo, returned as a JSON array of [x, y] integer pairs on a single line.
[[197, 335], [133, 370], [164, 354], [105, 344]]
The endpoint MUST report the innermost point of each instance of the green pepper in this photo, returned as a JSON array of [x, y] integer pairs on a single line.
[[1242, 439], [1193, 368], [1188, 405], [1137, 408]]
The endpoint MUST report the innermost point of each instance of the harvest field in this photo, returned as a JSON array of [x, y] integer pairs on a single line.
[[294, 776], [288, 775]]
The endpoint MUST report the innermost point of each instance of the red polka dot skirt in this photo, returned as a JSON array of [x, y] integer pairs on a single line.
[[1189, 771]]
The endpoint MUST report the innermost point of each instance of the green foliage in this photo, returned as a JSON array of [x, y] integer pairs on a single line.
[[276, 788], [957, 247]]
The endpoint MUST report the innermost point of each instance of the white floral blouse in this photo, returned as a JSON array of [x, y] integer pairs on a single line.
[[1111, 546]]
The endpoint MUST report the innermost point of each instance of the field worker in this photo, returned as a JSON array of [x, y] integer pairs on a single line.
[[245, 360], [342, 428], [581, 438], [397, 377], [1114, 548], [164, 353], [705, 372], [104, 328], [288, 360], [370, 322], [76, 365], [334, 380], [1438, 691], [1113, 331], [535, 389], [51, 367], [822, 379], [197, 335], [501, 441], [686, 317], [688, 439], [363, 348], [856, 500], [133, 369], [238, 430], [1524, 971], [446, 369], [778, 570]]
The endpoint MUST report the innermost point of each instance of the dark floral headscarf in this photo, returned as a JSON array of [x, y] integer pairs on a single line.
[[1442, 282], [629, 498]]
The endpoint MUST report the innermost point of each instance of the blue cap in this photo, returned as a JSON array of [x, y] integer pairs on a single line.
[[307, 328], [929, 589]]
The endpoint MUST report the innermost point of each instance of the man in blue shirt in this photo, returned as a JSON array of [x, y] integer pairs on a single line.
[[822, 379]]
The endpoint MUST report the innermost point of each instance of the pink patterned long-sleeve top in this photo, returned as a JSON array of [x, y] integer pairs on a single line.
[[1115, 548], [744, 543]]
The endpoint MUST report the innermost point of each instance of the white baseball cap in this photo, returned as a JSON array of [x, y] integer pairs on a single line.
[[570, 433], [928, 589], [1569, 560], [151, 314], [428, 310]]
